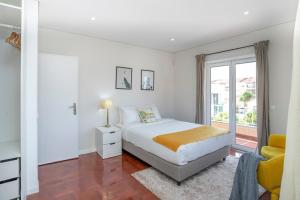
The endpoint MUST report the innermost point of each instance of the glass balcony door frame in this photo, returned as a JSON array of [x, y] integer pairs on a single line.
[[232, 94]]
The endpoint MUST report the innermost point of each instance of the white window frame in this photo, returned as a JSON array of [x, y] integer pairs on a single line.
[[231, 62]]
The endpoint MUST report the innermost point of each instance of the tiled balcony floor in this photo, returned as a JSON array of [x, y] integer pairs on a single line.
[[246, 135], [246, 142]]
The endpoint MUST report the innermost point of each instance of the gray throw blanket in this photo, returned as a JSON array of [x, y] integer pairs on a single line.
[[245, 186]]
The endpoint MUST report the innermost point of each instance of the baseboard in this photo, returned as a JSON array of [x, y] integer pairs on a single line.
[[33, 190], [85, 151]]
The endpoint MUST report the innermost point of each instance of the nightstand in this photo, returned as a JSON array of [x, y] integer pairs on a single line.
[[108, 141]]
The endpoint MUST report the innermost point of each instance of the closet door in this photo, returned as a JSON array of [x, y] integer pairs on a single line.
[[58, 114]]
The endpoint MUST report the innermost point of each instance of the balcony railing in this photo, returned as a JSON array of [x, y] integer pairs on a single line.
[[245, 135]]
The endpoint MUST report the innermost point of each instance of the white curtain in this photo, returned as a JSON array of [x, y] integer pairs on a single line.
[[290, 187]]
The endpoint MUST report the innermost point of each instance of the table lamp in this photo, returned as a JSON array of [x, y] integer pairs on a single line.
[[106, 104]]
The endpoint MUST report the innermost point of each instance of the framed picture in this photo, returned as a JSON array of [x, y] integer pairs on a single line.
[[123, 78], [147, 80]]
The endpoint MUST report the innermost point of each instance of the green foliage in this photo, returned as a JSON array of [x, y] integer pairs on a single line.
[[246, 96], [250, 118], [237, 118], [221, 117]]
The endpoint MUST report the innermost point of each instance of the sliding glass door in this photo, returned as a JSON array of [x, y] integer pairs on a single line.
[[219, 96], [231, 100], [245, 93]]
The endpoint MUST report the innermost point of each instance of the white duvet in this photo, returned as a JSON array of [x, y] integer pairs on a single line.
[[141, 134]]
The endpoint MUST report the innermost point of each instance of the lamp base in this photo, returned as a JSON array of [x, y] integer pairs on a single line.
[[107, 119]]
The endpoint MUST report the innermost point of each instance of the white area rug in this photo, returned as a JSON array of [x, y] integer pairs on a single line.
[[214, 183]]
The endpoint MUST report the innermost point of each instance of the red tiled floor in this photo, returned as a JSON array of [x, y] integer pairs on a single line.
[[247, 143]]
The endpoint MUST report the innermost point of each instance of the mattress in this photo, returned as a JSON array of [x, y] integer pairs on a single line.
[[141, 134]]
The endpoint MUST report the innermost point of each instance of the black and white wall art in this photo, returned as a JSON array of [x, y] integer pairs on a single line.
[[123, 78], [147, 80]]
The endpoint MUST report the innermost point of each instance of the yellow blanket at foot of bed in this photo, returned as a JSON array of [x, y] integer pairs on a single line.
[[174, 140]]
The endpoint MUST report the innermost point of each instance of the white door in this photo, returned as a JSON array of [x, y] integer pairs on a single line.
[[58, 114]]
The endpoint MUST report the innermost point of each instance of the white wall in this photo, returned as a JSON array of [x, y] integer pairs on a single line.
[[10, 67], [97, 61], [280, 62]]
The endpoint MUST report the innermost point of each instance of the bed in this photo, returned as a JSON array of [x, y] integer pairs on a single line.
[[189, 159]]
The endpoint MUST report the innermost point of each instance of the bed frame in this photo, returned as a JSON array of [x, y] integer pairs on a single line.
[[177, 172]]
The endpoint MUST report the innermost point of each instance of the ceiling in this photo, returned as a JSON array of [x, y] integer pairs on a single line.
[[9, 16], [12, 2], [152, 23]]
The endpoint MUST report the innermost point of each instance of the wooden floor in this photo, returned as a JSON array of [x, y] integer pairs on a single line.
[[91, 178]]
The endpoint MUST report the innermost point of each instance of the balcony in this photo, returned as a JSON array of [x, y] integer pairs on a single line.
[[245, 135]]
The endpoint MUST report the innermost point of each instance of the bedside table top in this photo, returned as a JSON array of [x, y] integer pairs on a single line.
[[104, 129]]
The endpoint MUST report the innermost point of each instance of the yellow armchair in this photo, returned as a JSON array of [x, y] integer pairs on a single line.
[[269, 172]]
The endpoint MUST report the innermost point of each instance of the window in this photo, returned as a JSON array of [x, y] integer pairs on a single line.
[[215, 98]]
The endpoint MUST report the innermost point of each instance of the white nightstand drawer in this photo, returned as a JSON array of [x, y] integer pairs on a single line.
[[9, 190], [110, 150], [9, 170], [111, 137]]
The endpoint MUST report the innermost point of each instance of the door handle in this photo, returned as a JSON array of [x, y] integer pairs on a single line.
[[74, 107]]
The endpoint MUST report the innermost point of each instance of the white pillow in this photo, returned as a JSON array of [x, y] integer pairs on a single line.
[[129, 114], [155, 111]]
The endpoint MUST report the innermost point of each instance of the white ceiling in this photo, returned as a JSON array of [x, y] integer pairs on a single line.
[[9, 16], [12, 2], [151, 23]]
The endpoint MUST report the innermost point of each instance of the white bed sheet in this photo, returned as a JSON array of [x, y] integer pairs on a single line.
[[141, 134]]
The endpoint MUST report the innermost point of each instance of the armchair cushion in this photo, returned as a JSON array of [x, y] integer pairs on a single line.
[[271, 152], [277, 140]]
